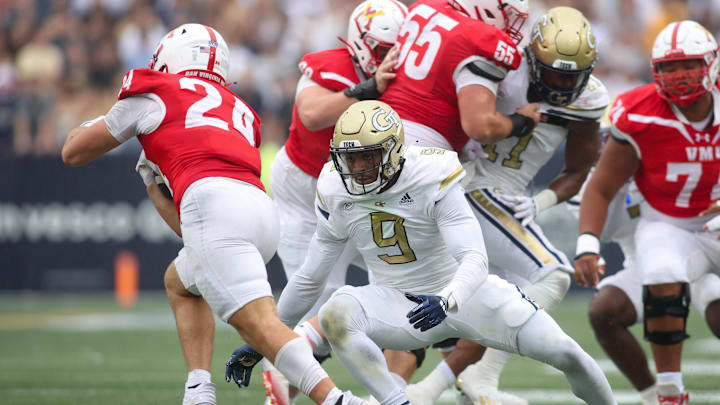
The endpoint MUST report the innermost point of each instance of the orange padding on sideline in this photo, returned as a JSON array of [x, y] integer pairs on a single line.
[[127, 274]]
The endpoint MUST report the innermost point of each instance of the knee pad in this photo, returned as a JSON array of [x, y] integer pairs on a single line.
[[339, 316], [656, 306], [419, 356], [549, 290]]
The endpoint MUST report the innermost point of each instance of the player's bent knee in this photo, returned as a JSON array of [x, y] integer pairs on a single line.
[[610, 307], [339, 317], [658, 306]]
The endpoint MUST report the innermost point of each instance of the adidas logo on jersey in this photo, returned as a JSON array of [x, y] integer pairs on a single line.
[[406, 199]]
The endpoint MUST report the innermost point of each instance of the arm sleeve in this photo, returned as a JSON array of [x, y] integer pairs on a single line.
[[463, 237], [307, 284], [478, 70], [134, 116]]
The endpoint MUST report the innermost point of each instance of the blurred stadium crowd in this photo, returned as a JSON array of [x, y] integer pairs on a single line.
[[62, 61]]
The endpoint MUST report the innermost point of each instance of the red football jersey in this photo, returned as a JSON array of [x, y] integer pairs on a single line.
[[679, 173], [207, 130], [434, 41], [332, 69]]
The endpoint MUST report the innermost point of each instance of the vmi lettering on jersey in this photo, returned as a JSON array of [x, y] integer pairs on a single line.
[[702, 153]]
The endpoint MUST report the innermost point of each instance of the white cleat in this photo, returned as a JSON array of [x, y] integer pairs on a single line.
[[417, 396], [201, 394], [495, 397]]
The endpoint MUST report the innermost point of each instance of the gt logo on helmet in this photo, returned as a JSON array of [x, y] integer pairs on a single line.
[[389, 118]]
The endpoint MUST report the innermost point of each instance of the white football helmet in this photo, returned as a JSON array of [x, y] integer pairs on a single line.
[[372, 31], [506, 15], [685, 40], [195, 50]]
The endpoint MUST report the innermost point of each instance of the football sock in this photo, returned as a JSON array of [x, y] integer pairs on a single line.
[[486, 373], [439, 379], [295, 361], [319, 345], [674, 378], [197, 376], [542, 339]]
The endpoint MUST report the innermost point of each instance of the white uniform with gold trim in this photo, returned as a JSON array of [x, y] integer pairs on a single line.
[[620, 226], [405, 235], [524, 254]]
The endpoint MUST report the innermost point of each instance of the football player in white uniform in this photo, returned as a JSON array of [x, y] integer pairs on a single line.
[[618, 303], [556, 74], [395, 204]]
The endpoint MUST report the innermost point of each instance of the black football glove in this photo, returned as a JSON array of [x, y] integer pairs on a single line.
[[429, 313], [240, 365]]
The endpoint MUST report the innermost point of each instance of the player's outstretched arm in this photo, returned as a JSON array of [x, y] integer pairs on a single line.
[[464, 239], [88, 142], [581, 151], [617, 163], [306, 285]]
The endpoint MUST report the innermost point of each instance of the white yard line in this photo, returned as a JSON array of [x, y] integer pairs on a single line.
[[554, 396]]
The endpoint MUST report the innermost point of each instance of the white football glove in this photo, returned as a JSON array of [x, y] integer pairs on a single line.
[[145, 169], [525, 207]]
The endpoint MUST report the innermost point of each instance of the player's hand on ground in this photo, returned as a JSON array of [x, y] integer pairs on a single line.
[[588, 269], [530, 110], [429, 313], [239, 367], [386, 71], [525, 207]]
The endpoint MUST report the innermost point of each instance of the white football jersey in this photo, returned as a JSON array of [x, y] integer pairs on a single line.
[[513, 162], [396, 231]]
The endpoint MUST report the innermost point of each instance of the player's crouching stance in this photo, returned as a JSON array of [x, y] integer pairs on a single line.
[[395, 202], [204, 140]]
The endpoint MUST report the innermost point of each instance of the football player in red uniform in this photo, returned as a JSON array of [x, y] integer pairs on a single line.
[[453, 54], [204, 140], [665, 135]]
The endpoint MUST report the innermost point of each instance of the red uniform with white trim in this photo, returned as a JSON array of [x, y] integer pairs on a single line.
[[332, 69], [435, 42], [207, 130], [679, 173]]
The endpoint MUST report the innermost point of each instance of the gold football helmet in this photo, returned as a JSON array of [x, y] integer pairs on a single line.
[[367, 146], [561, 55]]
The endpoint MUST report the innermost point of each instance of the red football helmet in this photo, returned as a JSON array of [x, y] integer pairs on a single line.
[[684, 41]]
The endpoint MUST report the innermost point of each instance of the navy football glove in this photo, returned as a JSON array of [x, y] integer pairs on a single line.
[[429, 313], [240, 365]]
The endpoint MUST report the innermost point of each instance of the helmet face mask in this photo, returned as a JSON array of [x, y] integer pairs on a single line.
[[194, 50], [685, 62], [372, 30], [561, 55], [367, 146], [506, 15]]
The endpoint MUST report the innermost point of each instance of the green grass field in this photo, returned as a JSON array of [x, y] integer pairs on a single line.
[[84, 349]]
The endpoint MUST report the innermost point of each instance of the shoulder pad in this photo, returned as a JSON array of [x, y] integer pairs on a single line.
[[142, 81], [435, 168], [332, 69]]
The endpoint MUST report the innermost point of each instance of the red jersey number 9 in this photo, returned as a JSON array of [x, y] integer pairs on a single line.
[[242, 117]]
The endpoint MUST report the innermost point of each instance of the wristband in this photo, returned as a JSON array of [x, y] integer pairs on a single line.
[[365, 90], [587, 244], [88, 123], [522, 125], [545, 199]]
